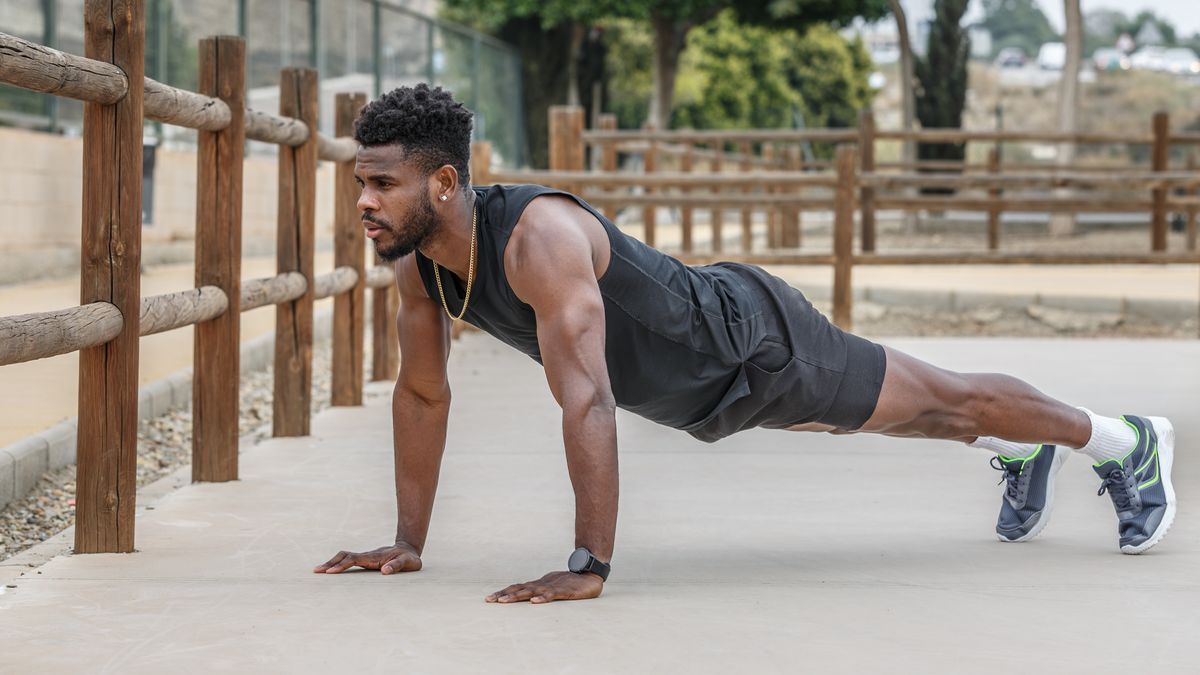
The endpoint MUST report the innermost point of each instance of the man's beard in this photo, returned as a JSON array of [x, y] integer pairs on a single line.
[[418, 226]]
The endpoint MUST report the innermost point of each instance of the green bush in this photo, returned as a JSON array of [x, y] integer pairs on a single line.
[[735, 75]]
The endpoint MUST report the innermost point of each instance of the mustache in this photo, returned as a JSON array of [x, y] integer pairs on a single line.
[[368, 218]]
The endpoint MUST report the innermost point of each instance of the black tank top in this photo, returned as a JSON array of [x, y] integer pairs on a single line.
[[675, 335]]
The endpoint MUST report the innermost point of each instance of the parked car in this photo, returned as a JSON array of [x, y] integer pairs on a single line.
[[1052, 56], [1181, 61], [1011, 57], [1107, 58], [1149, 58]]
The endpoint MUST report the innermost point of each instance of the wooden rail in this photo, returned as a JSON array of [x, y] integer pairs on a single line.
[[26, 337], [776, 182], [106, 328]]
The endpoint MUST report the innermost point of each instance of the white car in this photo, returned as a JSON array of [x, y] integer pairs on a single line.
[[1052, 56], [1181, 61], [1149, 58]]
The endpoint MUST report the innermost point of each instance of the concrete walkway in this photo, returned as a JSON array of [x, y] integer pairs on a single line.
[[767, 552]]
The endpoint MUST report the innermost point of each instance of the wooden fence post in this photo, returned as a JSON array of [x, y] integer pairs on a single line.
[[789, 226], [608, 156], [843, 237], [649, 217], [717, 165], [685, 217], [216, 367], [1159, 159], [294, 253], [481, 163], [993, 231], [745, 149], [1191, 210], [385, 342], [566, 138], [349, 242], [768, 155], [109, 272], [866, 154]]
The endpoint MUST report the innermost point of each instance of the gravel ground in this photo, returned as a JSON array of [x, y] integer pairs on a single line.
[[164, 443]]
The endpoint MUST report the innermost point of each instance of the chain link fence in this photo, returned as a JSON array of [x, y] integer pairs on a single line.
[[356, 45]]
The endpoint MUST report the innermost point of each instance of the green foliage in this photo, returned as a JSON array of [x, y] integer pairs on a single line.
[[942, 78], [628, 67], [800, 14], [734, 75], [1017, 23], [491, 15], [831, 76]]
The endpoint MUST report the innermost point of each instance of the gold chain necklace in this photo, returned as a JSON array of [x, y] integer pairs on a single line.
[[470, 274]]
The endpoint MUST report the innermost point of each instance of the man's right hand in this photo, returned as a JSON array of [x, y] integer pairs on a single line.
[[386, 559]]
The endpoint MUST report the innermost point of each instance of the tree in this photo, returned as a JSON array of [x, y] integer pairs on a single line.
[[555, 50], [1017, 23], [942, 78], [907, 78], [1068, 99]]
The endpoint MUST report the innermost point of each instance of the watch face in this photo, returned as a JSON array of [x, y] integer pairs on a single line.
[[578, 560]]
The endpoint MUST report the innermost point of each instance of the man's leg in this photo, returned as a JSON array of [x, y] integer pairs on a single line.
[[921, 400], [1018, 422]]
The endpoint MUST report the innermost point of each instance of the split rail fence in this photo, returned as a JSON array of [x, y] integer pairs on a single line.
[[766, 173], [106, 326]]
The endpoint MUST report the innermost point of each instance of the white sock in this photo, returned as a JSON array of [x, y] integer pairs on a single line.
[[1008, 449], [1111, 438]]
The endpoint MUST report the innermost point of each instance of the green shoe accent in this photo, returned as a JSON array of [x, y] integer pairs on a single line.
[[1023, 460]]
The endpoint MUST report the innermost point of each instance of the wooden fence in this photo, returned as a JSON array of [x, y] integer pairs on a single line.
[[775, 180], [106, 326]]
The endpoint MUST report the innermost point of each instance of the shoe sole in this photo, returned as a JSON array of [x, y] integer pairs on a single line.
[[1060, 457], [1165, 432]]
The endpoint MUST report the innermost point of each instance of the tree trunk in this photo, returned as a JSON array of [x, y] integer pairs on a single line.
[[577, 33], [1068, 102], [669, 35], [545, 76], [907, 79]]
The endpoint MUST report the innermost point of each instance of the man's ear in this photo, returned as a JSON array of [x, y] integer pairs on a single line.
[[444, 181]]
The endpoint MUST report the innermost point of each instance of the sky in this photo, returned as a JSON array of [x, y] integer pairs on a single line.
[[1184, 14]]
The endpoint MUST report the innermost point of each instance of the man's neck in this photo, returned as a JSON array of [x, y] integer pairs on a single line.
[[451, 248]]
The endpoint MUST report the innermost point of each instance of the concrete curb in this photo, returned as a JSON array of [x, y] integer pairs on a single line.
[[23, 463], [957, 301]]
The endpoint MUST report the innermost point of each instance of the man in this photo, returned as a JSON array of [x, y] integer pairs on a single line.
[[711, 350]]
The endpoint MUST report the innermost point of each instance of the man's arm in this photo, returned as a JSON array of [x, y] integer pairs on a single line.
[[550, 265], [420, 408]]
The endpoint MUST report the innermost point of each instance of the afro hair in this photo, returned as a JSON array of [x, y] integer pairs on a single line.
[[433, 128]]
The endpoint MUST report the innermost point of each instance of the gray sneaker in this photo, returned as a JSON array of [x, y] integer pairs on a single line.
[[1139, 484], [1028, 491]]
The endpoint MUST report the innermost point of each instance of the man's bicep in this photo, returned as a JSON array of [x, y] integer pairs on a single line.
[[424, 334]]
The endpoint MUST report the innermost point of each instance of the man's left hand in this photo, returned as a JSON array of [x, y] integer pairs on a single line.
[[553, 586]]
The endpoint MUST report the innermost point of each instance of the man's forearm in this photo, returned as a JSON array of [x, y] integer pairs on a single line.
[[419, 437], [590, 436]]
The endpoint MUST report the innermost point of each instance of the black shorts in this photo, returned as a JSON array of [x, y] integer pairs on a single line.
[[805, 369]]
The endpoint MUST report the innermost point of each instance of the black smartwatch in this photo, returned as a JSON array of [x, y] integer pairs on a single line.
[[582, 561]]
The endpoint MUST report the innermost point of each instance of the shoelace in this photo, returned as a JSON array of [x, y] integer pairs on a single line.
[[1119, 488], [1012, 475]]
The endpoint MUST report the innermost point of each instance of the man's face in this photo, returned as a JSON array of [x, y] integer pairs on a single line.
[[396, 209]]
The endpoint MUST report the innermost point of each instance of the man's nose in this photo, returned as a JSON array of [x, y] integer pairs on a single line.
[[367, 202]]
